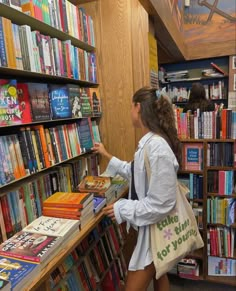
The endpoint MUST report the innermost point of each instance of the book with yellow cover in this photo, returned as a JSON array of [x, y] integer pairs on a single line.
[[95, 184], [68, 199]]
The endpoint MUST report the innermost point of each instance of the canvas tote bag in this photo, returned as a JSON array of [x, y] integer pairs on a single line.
[[175, 236]]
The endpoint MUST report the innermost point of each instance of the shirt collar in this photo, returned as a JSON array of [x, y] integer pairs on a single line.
[[144, 139]]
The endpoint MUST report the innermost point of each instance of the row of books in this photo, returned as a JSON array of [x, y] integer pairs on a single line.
[[221, 154], [95, 255], [22, 205], [195, 184], [221, 211], [198, 213], [221, 241], [216, 90], [221, 266], [78, 206], [36, 148], [29, 250], [29, 102], [32, 51], [188, 268], [61, 14], [221, 182], [206, 125]]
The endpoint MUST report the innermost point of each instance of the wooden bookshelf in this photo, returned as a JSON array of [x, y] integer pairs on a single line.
[[20, 18], [63, 251]]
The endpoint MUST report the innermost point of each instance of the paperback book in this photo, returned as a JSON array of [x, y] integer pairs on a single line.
[[99, 203], [59, 99], [30, 246], [10, 112], [95, 184], [52, 226], [67, 199], [18, 272]]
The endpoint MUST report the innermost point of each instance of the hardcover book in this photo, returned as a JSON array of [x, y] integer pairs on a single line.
[[85, 134], [74, 97], [39, 101], [193, 156], [85, 102], [67, 199], [95, 101], [17, 272], [29, 246], [52, 226], [10, 112], [95, 184], [24, 102], [59, 99]]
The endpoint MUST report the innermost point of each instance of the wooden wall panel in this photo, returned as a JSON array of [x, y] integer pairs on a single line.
[[140, 50], [121, 28]]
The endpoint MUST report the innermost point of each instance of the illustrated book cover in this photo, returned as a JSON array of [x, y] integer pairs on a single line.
[[59, 100], [17, 272], [95, 184], [10, 112], [52, 226], [29, 246]]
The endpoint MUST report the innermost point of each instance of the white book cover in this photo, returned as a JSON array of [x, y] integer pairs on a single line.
[[53, 226]]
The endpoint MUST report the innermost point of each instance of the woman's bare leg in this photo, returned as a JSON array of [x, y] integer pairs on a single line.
[[140, 280], [162, 284]]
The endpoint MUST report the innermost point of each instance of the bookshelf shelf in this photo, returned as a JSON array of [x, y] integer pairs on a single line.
[[220, 168], [64, 251], [21, 18], [207, 140], [16, 182], [221, 196], [222, 280], [220, 224], [189, 171], [51, 121], [9, 72], [194, 79]]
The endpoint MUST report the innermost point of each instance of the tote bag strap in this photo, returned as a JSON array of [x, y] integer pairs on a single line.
[[147, 164]]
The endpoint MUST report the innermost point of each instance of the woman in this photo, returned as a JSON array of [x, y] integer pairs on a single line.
[[197, 99], [149, 202]]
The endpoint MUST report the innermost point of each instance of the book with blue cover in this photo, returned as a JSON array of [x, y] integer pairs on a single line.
[[85, 134], [17, 271], [99, 203], [59, 99]]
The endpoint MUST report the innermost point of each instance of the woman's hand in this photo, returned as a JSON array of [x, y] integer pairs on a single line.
[[109, 211], [100, 149]]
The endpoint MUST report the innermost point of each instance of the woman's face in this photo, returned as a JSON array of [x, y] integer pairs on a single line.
[[135, 116]]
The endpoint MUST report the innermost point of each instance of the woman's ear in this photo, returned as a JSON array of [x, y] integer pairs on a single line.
[[138, 107]]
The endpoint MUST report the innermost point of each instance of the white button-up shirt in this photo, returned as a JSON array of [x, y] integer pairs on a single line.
[[156, 198]]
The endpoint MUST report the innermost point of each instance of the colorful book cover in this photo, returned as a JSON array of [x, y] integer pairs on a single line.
[[29, 246], [39, 101], [18, 272], [193, 156], [99, 203], [68, 199], [85, 134], [74, 97], [10, 112], [95, 101], [85, 102], [52, 226], [95, 184], [24, 102], [59, 99]]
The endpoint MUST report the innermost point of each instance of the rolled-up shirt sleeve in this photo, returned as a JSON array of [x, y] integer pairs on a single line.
[[117, 166], [160, 198]]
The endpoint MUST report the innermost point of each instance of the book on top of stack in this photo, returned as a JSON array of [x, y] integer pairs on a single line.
[[95, 184], [78, 206]]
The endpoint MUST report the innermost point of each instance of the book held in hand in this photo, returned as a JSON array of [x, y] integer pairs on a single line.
[[30, 246], [53, 226]]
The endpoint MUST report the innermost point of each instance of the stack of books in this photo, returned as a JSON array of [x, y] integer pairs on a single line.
[[24, 254], [78, 206]]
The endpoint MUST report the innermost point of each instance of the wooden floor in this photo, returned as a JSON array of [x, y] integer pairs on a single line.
[[178, 284]]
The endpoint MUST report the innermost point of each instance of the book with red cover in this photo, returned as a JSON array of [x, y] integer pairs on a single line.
[[192, 156], [67, 199], [24, 102], [30, 246]]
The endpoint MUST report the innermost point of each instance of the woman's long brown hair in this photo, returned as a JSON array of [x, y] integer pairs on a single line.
[[158, 116]]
